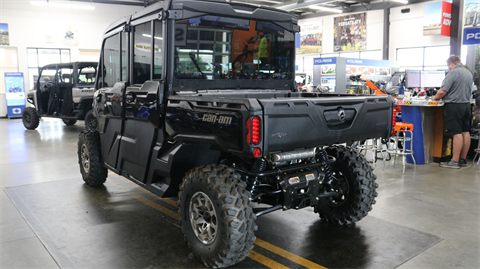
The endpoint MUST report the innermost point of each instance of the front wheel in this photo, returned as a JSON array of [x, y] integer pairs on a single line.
[[69, 122], [91, 122], [216, 215], [30, 118], [356, 185], [93, 171]]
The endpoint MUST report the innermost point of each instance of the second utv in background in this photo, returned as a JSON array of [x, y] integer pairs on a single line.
[[63, 91]]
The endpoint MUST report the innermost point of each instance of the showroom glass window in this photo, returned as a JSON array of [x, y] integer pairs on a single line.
[[219, 47], [427, 58], [111, 61], [38, 57], [142, 53]]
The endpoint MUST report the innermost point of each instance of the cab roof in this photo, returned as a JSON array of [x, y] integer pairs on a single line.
[[194, 8]]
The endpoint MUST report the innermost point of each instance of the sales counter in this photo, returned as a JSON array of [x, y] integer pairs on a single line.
[[426, 116]]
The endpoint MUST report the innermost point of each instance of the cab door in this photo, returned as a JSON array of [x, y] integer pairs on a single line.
[[108, 101], [142, 102]]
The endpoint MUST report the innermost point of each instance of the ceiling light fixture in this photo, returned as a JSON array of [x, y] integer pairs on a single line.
[[400, 1], [287, 6], [326, 9], [61, 5]]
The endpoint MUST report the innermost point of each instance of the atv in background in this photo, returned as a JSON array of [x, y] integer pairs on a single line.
[[63, 91]]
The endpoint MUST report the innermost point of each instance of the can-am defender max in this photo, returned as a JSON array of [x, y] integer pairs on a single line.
[[197, 99], [62, 91]]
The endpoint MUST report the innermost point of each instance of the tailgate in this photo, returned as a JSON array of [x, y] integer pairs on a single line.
[[296, 123]]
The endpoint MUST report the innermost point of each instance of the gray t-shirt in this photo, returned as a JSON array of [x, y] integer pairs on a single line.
[[458, 85]]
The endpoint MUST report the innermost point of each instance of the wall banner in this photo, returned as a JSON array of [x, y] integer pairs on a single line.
[[310, 38], [471, 15], [4, 38], [15, 94], [437, 18], [350, 32]]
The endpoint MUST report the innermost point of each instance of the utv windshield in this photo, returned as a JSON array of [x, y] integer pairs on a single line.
[[221, 48]]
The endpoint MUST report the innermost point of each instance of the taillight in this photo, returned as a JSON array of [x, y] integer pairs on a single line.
[[253, 128]]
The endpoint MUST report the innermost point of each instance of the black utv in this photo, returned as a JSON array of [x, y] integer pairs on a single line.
[[63, 91], [197, 100]]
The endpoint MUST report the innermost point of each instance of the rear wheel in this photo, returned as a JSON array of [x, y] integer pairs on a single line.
[[216, 215], [30, 118], [356, 185], [90, 121], [69, 122], [93, 171]]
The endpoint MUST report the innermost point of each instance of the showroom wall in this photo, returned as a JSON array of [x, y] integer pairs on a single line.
[[374, 36], [406, 30], [45, 27]]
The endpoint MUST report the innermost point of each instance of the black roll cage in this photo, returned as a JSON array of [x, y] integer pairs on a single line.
[[170, 10]]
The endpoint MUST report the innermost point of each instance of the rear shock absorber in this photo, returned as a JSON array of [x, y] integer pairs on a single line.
[[259, 165], [330, 182]]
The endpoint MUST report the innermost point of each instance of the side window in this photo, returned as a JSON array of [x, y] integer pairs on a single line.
[[111, 61], [64, 75], [158, 55], [142, 53]]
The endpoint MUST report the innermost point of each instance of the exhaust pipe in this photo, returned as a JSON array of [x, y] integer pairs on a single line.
[[293, 155]]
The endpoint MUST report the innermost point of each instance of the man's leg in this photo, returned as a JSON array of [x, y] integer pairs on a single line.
[[466, 144], [457, 146]]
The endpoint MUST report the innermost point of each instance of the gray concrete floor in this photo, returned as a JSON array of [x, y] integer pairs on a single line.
[[433, 200]]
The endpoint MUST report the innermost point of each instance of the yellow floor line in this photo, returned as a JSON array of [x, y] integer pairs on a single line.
[[287, 255], [259, 242], [253, 255], [265, 261], [166, 200], [148, 202]]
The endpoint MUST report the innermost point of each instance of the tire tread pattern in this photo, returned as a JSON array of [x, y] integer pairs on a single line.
[[361, 183], [34, 118], [97, 174], [236, 214]]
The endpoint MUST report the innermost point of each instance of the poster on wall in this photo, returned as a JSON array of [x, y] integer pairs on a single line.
[[437, 18], [70, 37], [471, 27], [4, 39], [310, 38], [15, 94], [350, 32]]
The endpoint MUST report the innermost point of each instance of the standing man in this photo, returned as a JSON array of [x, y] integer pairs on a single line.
[[456, 91]]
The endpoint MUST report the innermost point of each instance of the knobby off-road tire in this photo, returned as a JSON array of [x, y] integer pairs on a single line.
[[30, 118], [355, 177], [234, 234], [90, 160], [90, 121], [69, 122]]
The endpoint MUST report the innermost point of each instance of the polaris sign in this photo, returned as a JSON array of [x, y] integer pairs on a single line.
[[471, 36], [320, 61]]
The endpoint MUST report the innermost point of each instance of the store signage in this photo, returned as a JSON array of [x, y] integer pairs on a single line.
[[437, 18], [364, 62], [446, 18], [15, 94], [350, 32], [310, 38], [471, 36], [322, 61]]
